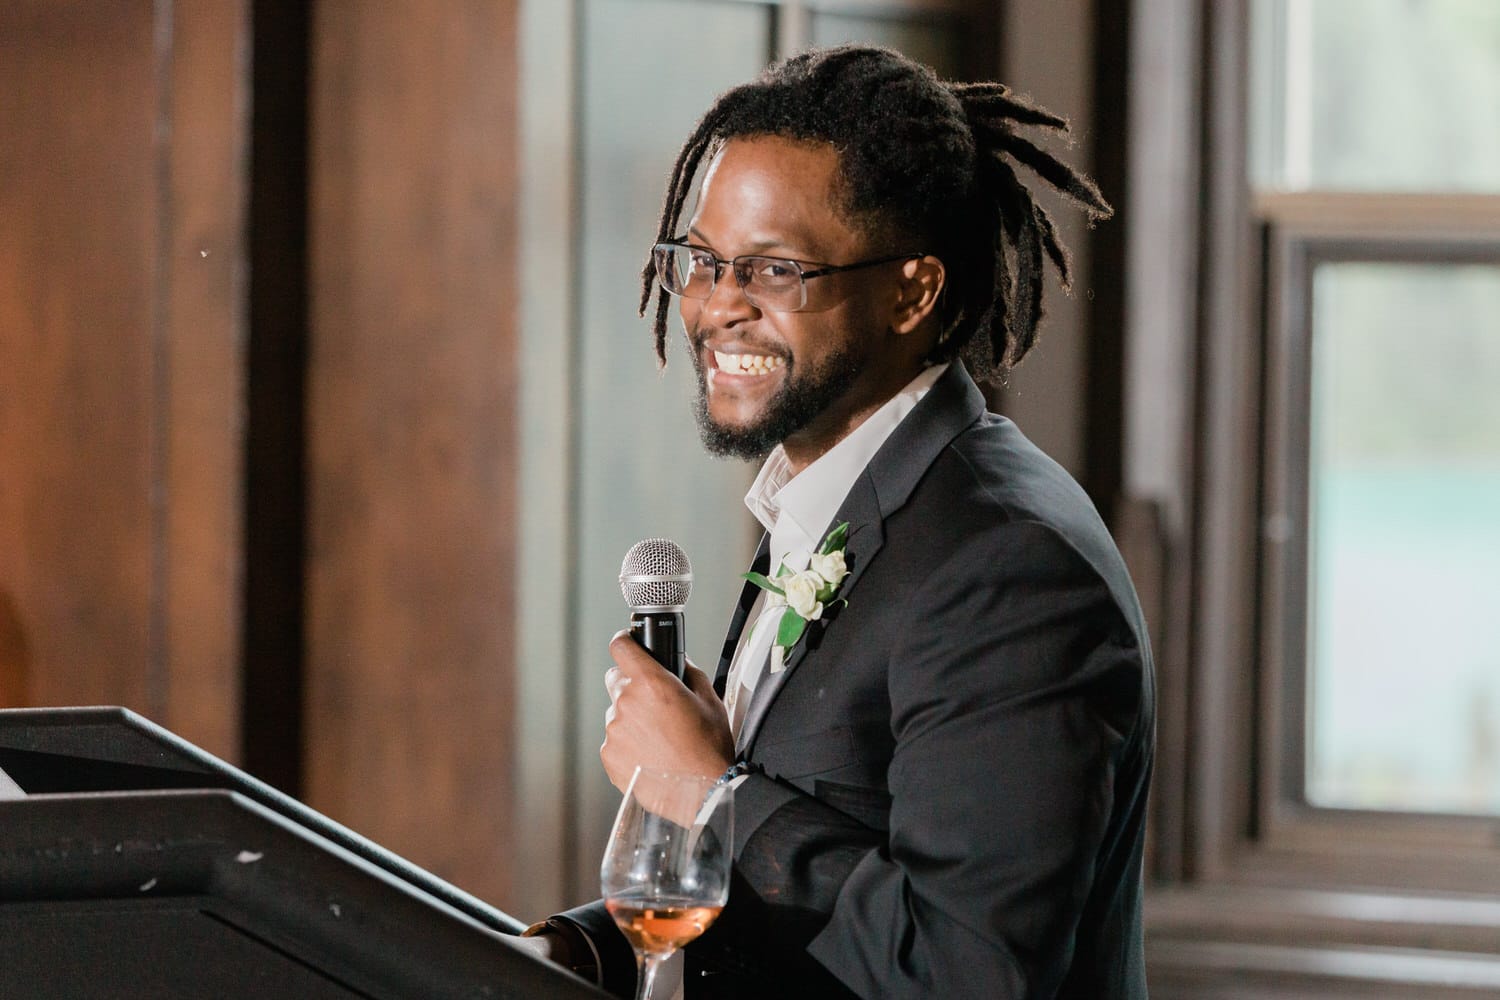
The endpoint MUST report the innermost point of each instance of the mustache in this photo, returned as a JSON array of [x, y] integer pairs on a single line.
[[697, 337]]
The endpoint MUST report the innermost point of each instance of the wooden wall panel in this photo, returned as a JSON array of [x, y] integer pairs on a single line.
[[118, 398], [412, 446], [78, 246], [203, 399]]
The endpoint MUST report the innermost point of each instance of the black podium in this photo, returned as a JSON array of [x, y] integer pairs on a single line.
[[134, 865]]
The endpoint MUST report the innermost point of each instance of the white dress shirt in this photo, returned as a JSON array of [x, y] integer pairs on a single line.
[[796, 511]]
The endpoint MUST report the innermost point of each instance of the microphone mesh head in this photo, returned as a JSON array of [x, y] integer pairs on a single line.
[[656, 575]]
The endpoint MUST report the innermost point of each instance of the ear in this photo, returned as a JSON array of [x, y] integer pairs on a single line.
[[922, 281]]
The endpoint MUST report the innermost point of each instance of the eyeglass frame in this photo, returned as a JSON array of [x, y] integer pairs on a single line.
[[805, 269]]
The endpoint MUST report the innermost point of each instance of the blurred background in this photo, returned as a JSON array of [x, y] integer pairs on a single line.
[[326, 418]]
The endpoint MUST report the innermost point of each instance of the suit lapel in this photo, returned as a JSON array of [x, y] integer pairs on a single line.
[[953, 403], [866, 535]]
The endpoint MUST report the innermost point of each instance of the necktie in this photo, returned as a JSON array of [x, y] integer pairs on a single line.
[[752, 661]]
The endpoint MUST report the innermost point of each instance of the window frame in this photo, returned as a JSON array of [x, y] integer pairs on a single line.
[[1243, 891], [1245, 820], [1302, 232]]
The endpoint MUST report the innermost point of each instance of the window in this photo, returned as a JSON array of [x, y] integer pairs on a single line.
[[1328, 357], [1376, 161], [1381, 529], [1404, 537], [1376, 95]]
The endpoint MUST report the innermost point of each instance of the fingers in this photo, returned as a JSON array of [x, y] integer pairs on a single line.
[[632, 662], [653, 719], [703, 689], [631, 657], [614, 683], [698, 683]]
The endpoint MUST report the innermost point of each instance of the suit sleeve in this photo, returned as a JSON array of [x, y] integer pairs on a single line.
[[1014, 685]]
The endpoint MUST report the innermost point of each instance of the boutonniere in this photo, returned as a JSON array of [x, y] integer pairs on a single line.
[[805, 593]]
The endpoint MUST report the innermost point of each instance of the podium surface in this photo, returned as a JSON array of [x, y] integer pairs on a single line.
[[135, 865]]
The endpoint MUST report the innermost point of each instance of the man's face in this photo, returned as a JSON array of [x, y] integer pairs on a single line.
[[765, 377]]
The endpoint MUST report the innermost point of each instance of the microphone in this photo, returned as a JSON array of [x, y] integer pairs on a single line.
[[656, 579]]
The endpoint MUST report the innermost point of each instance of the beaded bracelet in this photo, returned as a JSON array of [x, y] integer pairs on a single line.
[[738, 769]]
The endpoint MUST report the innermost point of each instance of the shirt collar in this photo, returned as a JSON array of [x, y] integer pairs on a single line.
[[795, 510]]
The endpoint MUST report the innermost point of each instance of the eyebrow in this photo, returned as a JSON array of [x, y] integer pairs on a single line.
[[757, 248]]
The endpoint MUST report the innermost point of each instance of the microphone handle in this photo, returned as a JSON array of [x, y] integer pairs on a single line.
[[660, 632]]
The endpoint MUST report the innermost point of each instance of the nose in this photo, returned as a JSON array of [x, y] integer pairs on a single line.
[[726, 303]]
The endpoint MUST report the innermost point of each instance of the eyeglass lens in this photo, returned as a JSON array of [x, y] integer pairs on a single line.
[[771, 282]]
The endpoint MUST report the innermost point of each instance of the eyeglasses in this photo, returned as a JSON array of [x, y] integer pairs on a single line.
[[773, 283]]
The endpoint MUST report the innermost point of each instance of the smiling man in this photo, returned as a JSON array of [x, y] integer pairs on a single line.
[[790, 353], [941, 778]]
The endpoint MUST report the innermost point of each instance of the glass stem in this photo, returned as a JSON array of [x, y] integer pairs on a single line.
[[645, 973]]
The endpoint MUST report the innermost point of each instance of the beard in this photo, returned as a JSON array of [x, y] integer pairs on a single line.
[[802, 397]]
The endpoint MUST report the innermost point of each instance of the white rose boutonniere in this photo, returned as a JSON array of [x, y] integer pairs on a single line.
[[801, 591], [830, 566], [806, 593]]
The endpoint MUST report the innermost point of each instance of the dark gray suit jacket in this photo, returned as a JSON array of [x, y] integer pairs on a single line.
[[952, 797]]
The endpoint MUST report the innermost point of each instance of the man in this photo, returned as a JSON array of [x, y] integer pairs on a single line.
[[941, 783]]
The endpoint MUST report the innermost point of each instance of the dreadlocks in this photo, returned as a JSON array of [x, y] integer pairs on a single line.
[[924, 161]]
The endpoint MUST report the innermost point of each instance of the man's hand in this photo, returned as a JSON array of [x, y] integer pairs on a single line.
[[548, 945], [655, 721], [567, 948]]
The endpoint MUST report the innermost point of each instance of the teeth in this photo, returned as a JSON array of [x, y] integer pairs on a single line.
[[747, 364]]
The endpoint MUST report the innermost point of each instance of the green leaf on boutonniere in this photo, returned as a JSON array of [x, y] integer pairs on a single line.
[[763, 582], [836, 538], [791, 628]]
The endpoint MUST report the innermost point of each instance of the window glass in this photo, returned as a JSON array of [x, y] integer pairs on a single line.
[[646, 75], [1404, 678], [1377, 95], [935, 43]]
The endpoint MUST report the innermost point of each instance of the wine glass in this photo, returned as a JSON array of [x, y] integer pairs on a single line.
[[665, 874]]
